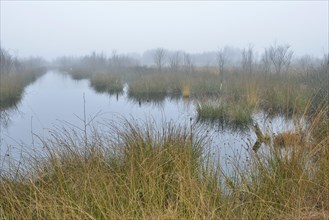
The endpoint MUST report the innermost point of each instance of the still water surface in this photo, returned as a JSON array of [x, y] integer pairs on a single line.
[[56, 99]]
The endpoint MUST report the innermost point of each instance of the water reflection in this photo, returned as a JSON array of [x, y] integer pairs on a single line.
[[156, 99], [222, 124], [56, 100], [6, 116]]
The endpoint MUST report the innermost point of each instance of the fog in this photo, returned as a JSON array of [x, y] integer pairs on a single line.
[[52, 28]]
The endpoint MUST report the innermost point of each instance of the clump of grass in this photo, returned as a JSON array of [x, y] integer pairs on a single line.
[[144, 172], [237, 114], [240, 114], [281, 101], [141, 172], [286, 183], [111, 84], [211, 110], [282, 187], [149, 88], [80, 73], [284, 95], [206, 84]]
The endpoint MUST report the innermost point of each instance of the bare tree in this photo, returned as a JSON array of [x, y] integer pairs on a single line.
[[266, 61], [95, 61], [281, 57], [248, 59], [175, 61], [114, 60], [325, 62], [118, 62], [222, 59], [159, 58], [187, 63], [305, 64]]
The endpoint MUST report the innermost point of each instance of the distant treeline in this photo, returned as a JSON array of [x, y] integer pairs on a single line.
[[274, 59]]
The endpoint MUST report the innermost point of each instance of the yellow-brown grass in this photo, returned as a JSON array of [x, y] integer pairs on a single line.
[[289, 139], [111, 83], [186, 91], [148, 172], [12, 86]]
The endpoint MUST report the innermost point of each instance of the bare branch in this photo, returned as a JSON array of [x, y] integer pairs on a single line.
[[159, 58], [281, 57]]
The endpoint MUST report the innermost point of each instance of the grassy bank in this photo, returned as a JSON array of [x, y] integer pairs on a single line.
[[15, 75], [80, 73], [147, 172], [232, 100], [111, 84], [288, 93], [154, 87], [12, 86]]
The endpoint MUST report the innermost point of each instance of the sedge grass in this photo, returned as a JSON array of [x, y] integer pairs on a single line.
[[80, 73], [149, 88], [111, 84], [143, 173], [148, 172], [12, 86], [11, 89], [237, 114]]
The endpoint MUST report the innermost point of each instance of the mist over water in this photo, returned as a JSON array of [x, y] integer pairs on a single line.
[[164, 109], [56, 101]]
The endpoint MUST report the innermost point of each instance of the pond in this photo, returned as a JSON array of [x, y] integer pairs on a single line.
[[56, 100]]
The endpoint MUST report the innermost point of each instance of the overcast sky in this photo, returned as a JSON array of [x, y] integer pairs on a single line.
[[55, 28]]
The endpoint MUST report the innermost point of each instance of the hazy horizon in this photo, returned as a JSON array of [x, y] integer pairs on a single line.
[[50, 29]]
